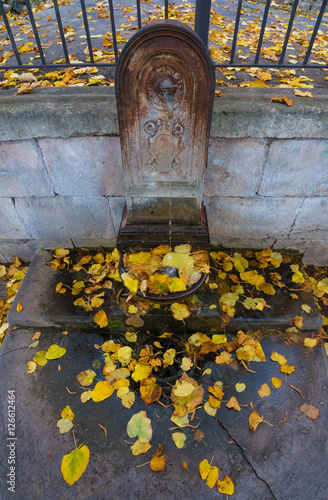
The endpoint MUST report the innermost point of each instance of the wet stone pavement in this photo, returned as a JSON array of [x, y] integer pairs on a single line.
[[282, 460]]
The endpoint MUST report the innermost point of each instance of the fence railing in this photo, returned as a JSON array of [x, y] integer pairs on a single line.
[[201, 15]]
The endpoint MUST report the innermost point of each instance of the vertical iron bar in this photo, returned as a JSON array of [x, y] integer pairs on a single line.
[[264, 21], [166, 9], [11, 36], [315, 30], [289, 29], [86, 27], [35, 31], [112, 22], [234, 41], [139, 14], [202, 19], [61, 31]]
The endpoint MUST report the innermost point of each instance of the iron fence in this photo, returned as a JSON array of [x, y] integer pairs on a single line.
[[203, 18]]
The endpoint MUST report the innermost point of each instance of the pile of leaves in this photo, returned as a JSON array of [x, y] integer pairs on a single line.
[[13, 275], [147, 271]]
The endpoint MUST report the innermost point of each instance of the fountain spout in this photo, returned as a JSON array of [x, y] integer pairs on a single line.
[[166, 89]]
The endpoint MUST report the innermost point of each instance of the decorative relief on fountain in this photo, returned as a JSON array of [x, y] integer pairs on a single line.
[[164, 139], [174, 82]]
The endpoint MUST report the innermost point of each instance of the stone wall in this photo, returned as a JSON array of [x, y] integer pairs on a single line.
[[61, 177]]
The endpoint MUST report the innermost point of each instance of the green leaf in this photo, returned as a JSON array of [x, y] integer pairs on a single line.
[[323, 285], [74, 464], [139, 425], [229, 299], [240, 263]]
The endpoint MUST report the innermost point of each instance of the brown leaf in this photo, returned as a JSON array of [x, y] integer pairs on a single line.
[[185, 466], [284, 99], [303, 94], [157, 462], [254, 420], [149, 390], [310, 411], [198, 435], [233, 403], [135, 321], [36, 336]]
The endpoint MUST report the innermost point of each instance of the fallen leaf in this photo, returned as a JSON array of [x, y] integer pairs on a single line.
[[179, 439], [64, 425], [310, 411], [36, 336], [19, 307], [276, 382], [55, 352], [128, 400], [101, 319], [185, 466], [74, 464], [198, 435], [208, 472], [40, 358], [254, 420], [140, 426], [135, 321], [284, 100], [303, 94], [102, 391], [180, 311], [279, 358], [157, 462], [264, 391], [226, 486], [67, 413], [149, 390], [308, 342], [31, 366], [85, 396], [86, 377], [138, 447], [287, 369], [233, 403], [240, 387], [298, 322]]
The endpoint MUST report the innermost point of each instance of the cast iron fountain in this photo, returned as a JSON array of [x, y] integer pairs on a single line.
[[164, 90]]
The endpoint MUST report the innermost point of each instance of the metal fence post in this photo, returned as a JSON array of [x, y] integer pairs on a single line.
[[202, 19]]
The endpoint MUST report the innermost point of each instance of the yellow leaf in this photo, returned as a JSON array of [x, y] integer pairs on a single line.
[[279, 358], [19, 307], [74, 464], [185, 248], [287, 369], [184, 389], [61, 252], [168, 357], [157, 462], [138, 447], [101, 319], [166, 335], [67, 413], [40, 358], [303, 94], [226, 486], [224, 358], [308, 342], [208, 472], [102, 391], [240, 387], [298, 277], [298, 321], [179, 439], [264, 391], [124, 355], [86, 377], [123, 382], [186, 364], [306, 308], [284, 99], [128, 399], [233, 403], [254, 420], [130, 283], [180, 311], [131, 336], [141, 372], [65, 425], [85, 396], [208, 371], [209, 409], [149, 390], [177, 285], [219, 339], [132, 309], [55, 352], [31, 367], [267, 288], [276, 382]]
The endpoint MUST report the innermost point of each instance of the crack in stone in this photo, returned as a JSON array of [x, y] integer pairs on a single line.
[[245, 457], [298, 212]]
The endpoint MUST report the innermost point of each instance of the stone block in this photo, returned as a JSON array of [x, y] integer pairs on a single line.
[[312, 219], [11, 224], [241, 243], [84, 166], [23, 249], [252, 218], [62, 217], [299, 245], [296, 168], [116, 208], [234, 167], [22, 171], [316, 253], [95, 243]]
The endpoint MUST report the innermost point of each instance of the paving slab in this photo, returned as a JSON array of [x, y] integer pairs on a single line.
[[280, 460], [42, 307]]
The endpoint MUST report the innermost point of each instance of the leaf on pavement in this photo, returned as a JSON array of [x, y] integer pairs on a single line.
[[157, 462], [208, 473], [74, 464]]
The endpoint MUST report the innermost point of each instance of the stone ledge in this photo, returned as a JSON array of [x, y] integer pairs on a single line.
[[240, 112]]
